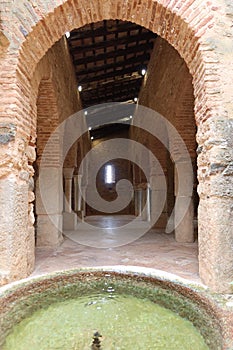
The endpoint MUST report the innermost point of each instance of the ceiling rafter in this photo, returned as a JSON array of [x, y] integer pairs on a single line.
[[134, 61], [111, 43], [83, 33], [108, 56], [108, 87], [127, 88]]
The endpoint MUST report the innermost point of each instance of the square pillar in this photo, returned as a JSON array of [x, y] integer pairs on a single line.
[[215, 227], [184, 231], [184, 209], [215, 211], [77, 193], [158, 191], [49, 218], [138, 201], [17, 240]]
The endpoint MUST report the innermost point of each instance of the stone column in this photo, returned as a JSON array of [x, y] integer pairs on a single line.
[[77, 193], [215, 211], [78, 196], [69, 217], [184, 209], [84, 192], [146, 209], [83, 203], [170, 187], [68, 176], [138, 201], [148, 196], [158, 193], [15, 237]]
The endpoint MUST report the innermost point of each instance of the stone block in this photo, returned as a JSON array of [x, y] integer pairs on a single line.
[[49, 230], [218, 185], [184, 231], [183, 179], [49, 192], [215, 227], [14, 258]]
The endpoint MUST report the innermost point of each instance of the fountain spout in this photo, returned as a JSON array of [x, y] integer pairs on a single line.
[[96, 344]]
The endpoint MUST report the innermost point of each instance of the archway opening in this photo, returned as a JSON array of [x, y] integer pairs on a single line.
[[166, 86]]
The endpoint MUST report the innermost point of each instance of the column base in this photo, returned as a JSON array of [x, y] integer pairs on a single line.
[[70, 221], [184, 232], [49, 230]]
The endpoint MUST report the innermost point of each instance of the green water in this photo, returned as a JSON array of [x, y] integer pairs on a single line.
[[124, 321]]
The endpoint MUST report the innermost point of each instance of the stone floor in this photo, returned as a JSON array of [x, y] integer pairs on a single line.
[[155, 249]]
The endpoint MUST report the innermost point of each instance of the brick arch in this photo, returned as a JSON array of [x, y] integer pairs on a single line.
[[182, 24], [185, 25]]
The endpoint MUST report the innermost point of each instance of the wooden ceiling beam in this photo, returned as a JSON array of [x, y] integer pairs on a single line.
[[111, 97], [120, 98], [119, 53], [103, 89], [114, 42], [138, 60], [114, 84], [117, 97], [107, 57], [100, 77], [101, 31]]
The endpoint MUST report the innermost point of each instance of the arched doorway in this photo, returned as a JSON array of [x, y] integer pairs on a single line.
[[184, 26]]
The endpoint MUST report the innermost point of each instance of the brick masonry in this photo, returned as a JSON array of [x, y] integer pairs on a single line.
[[201, 31]]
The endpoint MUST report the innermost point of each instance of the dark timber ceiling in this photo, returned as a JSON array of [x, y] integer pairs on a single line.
[[108, 57]]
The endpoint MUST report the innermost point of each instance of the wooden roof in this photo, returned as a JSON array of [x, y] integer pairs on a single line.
[[108, 57]]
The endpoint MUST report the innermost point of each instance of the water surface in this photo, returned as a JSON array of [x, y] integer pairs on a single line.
[[125, 323]]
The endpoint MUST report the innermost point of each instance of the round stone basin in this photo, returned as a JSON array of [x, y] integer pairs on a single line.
[[130, 310]]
